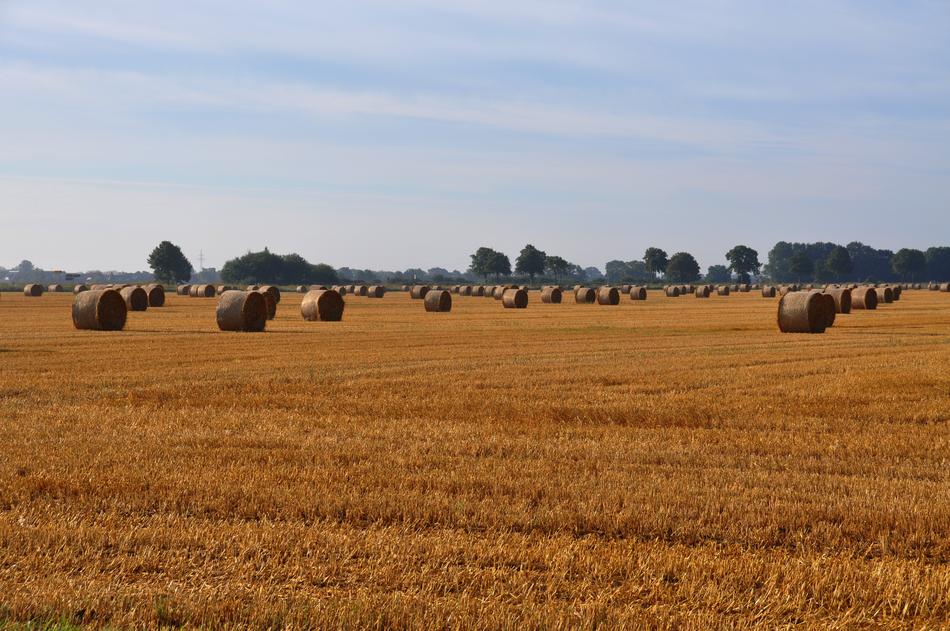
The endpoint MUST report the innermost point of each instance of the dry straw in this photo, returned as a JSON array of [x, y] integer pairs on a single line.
[[376, 291], [864, 298], [478, 290], [625, 289], [181, 290], [551, 295], [242, 311], [156, 295], [638, 292], [324, 305], [842, 298], [515, 299], [829, 308], [897, 292], [418, 292], [498, 292], [99, 310], [723, 290], [745, 288], [136, 298], [55, 288], [438, 301], [270, 304], [802, 312], [585, 296], [361, 290], [203, 291], [33, 290], [77, 289], [302, 289], [884, 294], [340, 289], [465, 290], [768, 291], [672, 291], [702, 291], [273, 291], [608, 296]]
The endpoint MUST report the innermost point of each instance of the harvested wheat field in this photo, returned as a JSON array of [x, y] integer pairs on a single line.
[[662, 463]]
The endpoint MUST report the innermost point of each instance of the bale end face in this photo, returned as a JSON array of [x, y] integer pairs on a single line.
[[438, 301], [156, 295], [376, 291], [551, 295], [638, 293], [270, 303], [33, 290], [136, 299], [802, 312], [864, 298], [99, 310], [702, 292], [608, 296], [322, 305], [515, 299], [242, 311], [585, 296], [418, 292]]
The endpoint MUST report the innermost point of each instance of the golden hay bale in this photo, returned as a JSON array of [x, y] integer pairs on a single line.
[[340, 289], [404, 288], [242, 311], [80, 288], [465, 290], [418, 292], [702, 291], [55, 288], [498, 292], [269, 303], [638, 292], [515, 299], [324, 305], [897, 292], [455, 289], [181, 290], [551, 295], [203, 291], [768, 291], [933, 287], [842, 298], [99, 310], [33, 290], [360, 290], [945, 287], [755, 287], [585, 296], [136, 298], [608, 296], [156, 295], [828, 307], [625, 289], [802, 312], [375, 291], [253, 287], [302, 289], [100, 287], [438, 301], [478, 290], [672, 291], [884, 294], [723, 290], [864, 298], [745, 288], [273, 291]]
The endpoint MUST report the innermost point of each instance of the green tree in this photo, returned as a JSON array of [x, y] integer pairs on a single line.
[[556, 266], [839, 262], [909, 263], [483, 262], [682, 268], [616, 271], [743, 261], [718, 274], [169, 264], [266, 267], [938, 263], [655, 260], [801, 265], [530, 261], [500, 265]]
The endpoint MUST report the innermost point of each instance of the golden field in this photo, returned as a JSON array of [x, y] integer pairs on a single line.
[[676, 463]]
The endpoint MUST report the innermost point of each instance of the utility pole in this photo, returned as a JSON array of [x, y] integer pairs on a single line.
[[201, 259]]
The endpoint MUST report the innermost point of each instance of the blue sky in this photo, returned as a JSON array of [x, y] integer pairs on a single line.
[[406, 134]]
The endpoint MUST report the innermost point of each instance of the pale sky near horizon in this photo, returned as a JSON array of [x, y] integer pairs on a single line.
[[388, 135]]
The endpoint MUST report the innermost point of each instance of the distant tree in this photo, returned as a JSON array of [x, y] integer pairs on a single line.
[[266, 267], [718, 274], [26, 267], [656, 261], [938, 263], [482, 262], [556, 266], [801, 265], [530, 261], [777, 266], [500, 265], [592, 273], [637, 273], [323, 274], [682, 268], [743, 261], [870, 263], [616, 271], [839, 262], [169, 264], [909, 263]]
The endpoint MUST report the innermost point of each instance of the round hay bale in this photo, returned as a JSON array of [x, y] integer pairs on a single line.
[[498, 292], [456, 289], [465, 290], [360, 290], [242, 311], [884, 294], [897, 292], [768, 291], [551, 295], [625, 289], [136, 298], [745, 288], [77, 289], [438, 301], [183, 290], [253, 287], [273, 291], [418, 292], [319, 288], [755, 287], [802, 312], [723, 290], [515, 299], [376, 291], [99, 310], [323, 305], [33, 290], [842, 298], [608, 296], [672, 291], [585, 296], [340, 289], [864, 298], [269, 302], [203, 291], [156, 295], [945, 287], [638, 292], [100, 286], [55, 288], [302, 289], [702, 292], [478, 290], [828, 307]]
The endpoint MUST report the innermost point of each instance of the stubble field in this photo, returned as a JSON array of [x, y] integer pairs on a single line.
[[673, 463]]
